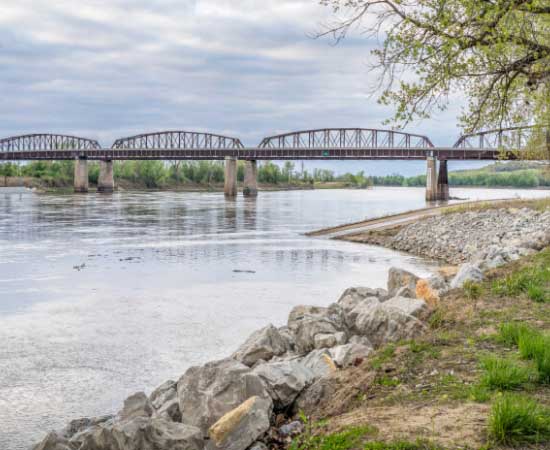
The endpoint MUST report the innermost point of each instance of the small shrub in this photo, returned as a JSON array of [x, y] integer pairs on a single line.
[[510, 332], [472, 290], [503, 374], [479, 393], [542, 361], [517, 420], [532, 344]]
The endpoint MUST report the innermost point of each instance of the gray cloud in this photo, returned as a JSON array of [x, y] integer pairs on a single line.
[[110, 68]]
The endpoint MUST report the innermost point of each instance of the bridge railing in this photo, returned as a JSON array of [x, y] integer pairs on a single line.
[[47, 142], [331, 138], [177, 140], [516, 139]]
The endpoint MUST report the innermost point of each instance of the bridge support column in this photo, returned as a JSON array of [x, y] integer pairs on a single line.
[[431, 179], [230, 186], [106, 181], [443, 181], [81, 183], [250, 179]]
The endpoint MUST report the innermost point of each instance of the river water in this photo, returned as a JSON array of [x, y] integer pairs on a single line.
[[103, 296]]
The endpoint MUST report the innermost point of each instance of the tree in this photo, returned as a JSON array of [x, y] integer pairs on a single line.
[[495, 51]]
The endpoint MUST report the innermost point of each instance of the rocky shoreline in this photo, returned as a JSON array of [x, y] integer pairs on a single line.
[[487, 238], [250, 400]]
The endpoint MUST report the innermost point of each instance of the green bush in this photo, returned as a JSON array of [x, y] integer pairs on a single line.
[[502, 373], [516, 420]]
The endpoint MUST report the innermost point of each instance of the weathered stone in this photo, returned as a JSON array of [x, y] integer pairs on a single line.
[[242, 426], [399, 278], [385, 324], [346, 355], [329, 340], [143, 433], [414, 307], [352, 309], [467, 272], [319, 362], [284, 381], [137, 405], [164, 400], [77, 426], [262, 344], [53, 441], [291, 429], [258, 446], [308, 401], [208, 392], [301, 312]]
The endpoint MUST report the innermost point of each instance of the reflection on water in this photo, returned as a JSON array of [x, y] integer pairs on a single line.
[[101, 296]]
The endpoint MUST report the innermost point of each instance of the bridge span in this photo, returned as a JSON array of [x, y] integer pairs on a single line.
[[321, 144]]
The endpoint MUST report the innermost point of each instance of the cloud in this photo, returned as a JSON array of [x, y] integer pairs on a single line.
[[106, 69]]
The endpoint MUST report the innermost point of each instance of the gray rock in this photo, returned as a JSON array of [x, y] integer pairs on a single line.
[[329, 340], [77, 426], [242, 426], [352, 309], [143, 433], [305, 327], [291, 429], [262, 344], [309, 400], [53, 441], [399, 278], [208, 392], [467, 272], [164, 400], [258, 446], [137, 405], [346, 355], [319, 362], [414, 307], [284, 381], [301, 312], [385, 324]]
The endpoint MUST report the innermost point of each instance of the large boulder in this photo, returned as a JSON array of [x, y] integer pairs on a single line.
[[347, 355], [164, 400], [53, 441], [137, 405], [311, 322], [329, 340], [398, 279], [319, 362], [143, 433], [242, 426], [208, 392], [384, 324], [360, 308], [414, 307], [467, 273], [263, 344], [284, 381]]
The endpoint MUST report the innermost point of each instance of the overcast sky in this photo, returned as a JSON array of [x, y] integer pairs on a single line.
[[247, 68]]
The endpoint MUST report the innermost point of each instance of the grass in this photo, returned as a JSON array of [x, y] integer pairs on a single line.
[[500, 373], [345, 440], [518, 419], [537, 204], [510, 332], [402, 445], [532, 281]]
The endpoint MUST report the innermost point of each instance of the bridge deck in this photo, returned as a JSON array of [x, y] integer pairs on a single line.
[[257, 153]]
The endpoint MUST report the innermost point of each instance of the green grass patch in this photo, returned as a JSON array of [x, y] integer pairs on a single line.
[[517, 420], [532, 281], [479, 393], [351, 438], [384, 355], [500, 373], [510, 332], [402, 445]]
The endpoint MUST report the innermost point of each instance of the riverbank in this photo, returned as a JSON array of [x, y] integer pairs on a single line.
[[433, 351]]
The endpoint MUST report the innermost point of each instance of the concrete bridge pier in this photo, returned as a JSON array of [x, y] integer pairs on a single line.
[[230, 185], [443, 181], [81, 183], [250, 179], [431, 179], [106, 181]]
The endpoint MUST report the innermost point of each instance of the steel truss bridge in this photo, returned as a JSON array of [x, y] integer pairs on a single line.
[[326, 144]]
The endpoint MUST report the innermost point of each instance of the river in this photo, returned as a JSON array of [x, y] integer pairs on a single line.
[[103, 296]]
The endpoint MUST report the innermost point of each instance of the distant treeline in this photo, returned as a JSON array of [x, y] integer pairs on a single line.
[[159, 174]]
